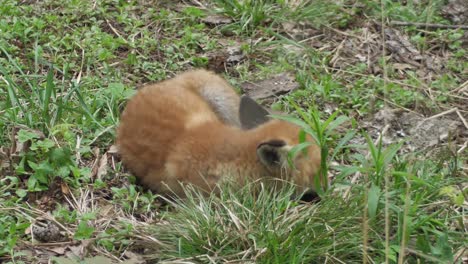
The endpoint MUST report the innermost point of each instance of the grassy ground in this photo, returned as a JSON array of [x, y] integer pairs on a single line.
[[396, 150]]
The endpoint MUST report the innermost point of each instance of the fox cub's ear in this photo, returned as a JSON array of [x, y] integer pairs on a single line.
[[251, 114], [273, 153]]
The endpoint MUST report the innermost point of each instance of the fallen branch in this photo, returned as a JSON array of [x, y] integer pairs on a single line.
[[462, 119], [427, 25], [436, 116]]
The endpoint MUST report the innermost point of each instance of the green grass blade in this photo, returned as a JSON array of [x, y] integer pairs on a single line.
[[343, 141], [84, 106], [295, 150], [373, 199], [372, 148], [330, 126], [300, 123], [49, 91]]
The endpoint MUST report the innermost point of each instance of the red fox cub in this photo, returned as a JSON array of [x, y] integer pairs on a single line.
[[195, 129]]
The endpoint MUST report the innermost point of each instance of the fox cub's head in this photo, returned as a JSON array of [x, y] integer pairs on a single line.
[[275, 139]]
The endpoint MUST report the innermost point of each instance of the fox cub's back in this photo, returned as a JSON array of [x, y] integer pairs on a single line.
[[195, 129]]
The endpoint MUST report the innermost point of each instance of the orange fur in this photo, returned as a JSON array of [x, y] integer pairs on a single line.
[[187, 129]]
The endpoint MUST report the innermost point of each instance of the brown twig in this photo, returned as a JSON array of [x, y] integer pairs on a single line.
[[116, 32], [345, 33], [465, 123], [461, 88], [421, 85], [427, 25], [436, 116], [463, 147]]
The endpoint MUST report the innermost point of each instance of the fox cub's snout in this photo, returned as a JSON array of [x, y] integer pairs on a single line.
[[195, 129]]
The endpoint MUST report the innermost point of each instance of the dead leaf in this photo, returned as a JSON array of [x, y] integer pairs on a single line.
[[102, 169], [221, 61], [217, 62], [216, 20], [280, 84], [385, 115], [360, 57], [401, 48], [105, 210], [133, 258], [456, 11], [91, 260], [95, 166], [27, 231], [4, 160], [98, 260], [113, 150], [58, 250], [64, 187], [299, 31], [235, 55], [402, 66], [79, 250], [417, 131], [433, 63], [64, 260], [288, 26]]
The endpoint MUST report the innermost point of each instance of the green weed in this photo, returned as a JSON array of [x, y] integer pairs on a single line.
[[321, 133]]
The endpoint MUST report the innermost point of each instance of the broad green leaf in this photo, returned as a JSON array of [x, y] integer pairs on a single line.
[[373, 150], [349, 135], [116, 89], [301, 124], [25, 135], [373, 200], [389, 153], [346, 171], [330, 119], [21, 193], [295, 150], [83, 231], [443, 248], [459, 199], [336, 123]]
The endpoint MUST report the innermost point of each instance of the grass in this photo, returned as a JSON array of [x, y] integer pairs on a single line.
[[66, 71], [266, 228]]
